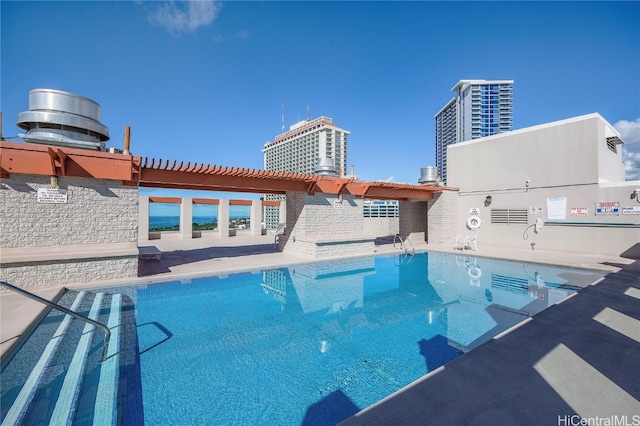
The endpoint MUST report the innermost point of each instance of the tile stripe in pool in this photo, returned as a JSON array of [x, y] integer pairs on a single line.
[[21, 404], [107, 387], [65, 406]]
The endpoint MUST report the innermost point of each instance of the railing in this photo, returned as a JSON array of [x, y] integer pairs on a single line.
[[402, 244], [106, 330]]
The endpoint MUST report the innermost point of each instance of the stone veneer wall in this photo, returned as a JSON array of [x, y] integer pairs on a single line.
[[413, 220], [381, 226], [443, 218], [35, 275], [316, 228], [97, 212], [92, 236]]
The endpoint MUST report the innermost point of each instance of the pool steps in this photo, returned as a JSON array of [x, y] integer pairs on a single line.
[[67, 398]]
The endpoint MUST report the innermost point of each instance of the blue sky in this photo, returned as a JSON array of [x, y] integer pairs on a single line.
[[205, 81]]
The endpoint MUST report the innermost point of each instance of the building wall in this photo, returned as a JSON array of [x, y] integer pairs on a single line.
[[381, 226], [97, 212], [567, 160], [324, 226], [442, 214], [34, 276], [94, 234], [561, 154], [413, 220], [608, 235]]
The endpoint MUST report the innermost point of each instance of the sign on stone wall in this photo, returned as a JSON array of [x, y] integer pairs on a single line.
[[52, 195]]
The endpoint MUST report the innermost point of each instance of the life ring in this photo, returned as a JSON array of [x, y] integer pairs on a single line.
[[474, 222], [474, 271]]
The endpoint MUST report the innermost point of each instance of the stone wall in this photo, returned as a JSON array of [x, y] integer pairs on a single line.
[[97, 212], [413, 220], [91, 236], [442, 212], [33, 276], [325, 226]]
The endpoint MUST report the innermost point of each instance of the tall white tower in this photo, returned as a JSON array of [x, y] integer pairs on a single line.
[[300, 148]]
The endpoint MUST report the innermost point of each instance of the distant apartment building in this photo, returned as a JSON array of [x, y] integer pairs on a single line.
[[479, 108], [299, 149]]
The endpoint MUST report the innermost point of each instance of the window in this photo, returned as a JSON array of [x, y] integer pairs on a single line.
[[381, 209]]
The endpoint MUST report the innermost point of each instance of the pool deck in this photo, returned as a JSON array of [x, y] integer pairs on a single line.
[[580, 357]]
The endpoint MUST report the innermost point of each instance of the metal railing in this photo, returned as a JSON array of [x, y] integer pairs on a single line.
[[32, 296], [403, 245]]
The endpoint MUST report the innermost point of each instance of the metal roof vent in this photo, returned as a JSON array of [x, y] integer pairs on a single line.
[[63, 119], [429, 176], [325, 167]]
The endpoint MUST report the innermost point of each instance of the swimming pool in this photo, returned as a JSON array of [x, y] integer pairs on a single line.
[[310, 343]]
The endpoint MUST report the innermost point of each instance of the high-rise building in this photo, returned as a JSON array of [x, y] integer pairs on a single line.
[[300, 148], [479, 108]]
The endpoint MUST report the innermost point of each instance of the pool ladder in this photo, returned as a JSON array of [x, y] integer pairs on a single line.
[[403, 245]]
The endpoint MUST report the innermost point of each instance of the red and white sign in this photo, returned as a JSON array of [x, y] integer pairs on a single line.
[[474, 211], [579, 211]]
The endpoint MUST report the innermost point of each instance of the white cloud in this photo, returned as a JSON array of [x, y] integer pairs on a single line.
[[390, 179], [631, 159], [185, 16], [629, 130], [630, 133], [239, 36]]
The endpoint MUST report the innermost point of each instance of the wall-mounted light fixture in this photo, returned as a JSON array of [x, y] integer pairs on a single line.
[[487, 201]]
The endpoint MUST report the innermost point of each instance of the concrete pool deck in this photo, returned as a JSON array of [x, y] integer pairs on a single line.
[[578, 357]]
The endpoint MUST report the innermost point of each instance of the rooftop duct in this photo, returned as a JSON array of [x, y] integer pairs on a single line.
[[63, 119], [325, 167], [429, 176]]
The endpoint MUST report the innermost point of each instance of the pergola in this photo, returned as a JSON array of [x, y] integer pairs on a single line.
[[133, 170]]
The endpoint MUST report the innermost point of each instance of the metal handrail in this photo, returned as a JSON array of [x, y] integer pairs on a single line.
[[413, 250], [106, 330], [402, 245]]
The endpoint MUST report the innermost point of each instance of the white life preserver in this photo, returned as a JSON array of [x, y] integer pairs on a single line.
[[474, 271], [474, 222]]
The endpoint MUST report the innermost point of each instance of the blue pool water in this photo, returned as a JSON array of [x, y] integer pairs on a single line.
[[315, 343], [307, 344]]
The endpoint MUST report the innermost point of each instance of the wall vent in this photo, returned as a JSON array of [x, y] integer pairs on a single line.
[[510, 216]]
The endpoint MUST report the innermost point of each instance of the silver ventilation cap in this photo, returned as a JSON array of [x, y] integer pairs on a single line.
[[61, 118]]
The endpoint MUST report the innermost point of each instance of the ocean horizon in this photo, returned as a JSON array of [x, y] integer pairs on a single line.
[[168, 221]]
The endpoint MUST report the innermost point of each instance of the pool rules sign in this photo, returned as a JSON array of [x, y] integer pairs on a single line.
[[52, 196]]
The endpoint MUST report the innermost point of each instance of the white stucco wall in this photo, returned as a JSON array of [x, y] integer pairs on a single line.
[[561, 153], [568, 160]]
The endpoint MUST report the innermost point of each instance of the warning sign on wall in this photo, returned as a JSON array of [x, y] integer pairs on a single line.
[[631, 210], [52, 195], [579, 211], [611, 208]]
